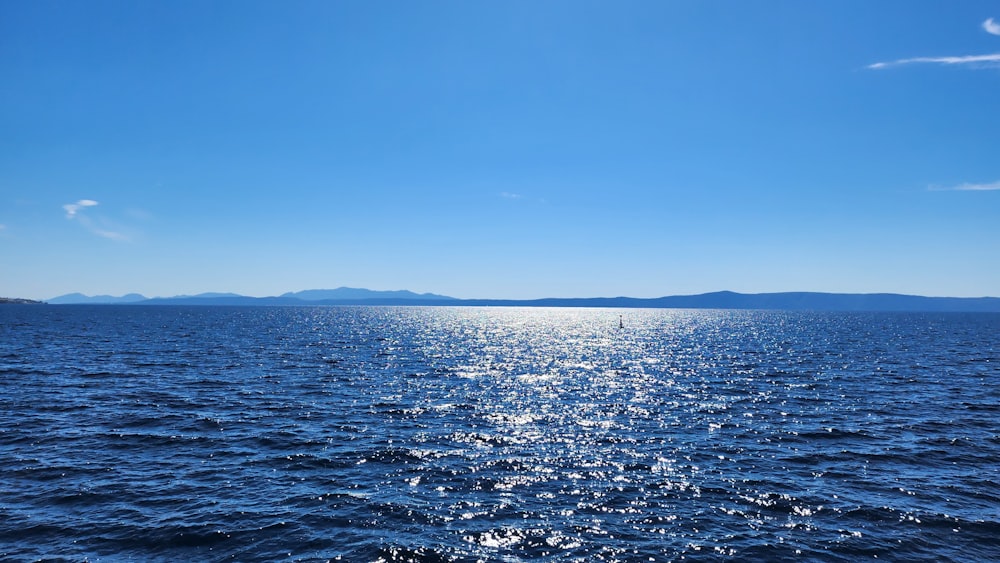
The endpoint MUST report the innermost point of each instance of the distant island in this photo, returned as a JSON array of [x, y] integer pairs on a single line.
[[796, 301], [18, 301]]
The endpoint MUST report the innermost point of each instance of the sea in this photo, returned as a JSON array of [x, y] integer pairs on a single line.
[[392, 434]]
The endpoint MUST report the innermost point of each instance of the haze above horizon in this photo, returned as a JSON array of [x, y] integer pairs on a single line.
[[513, 150]]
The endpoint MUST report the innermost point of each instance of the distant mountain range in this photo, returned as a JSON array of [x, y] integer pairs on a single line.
[[717, 300], [77, 298], [339, 296]]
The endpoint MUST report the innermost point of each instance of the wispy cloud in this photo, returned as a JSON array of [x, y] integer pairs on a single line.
[[968, 187], [980, 61], [992, 59], [139, 214], [508, 195], [74, 212], [991, 27], [73, 208], [113, 235]]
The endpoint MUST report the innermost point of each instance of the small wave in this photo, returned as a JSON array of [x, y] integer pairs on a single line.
[[273, 434]]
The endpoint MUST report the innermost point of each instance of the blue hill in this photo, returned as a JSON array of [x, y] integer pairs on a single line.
[[358, 294], [794, 301], [791, 301], [80, 298]]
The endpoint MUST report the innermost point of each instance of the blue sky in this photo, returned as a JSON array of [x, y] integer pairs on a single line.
[[517, 149]]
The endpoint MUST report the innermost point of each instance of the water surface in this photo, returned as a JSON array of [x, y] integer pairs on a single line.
[[496, 434]]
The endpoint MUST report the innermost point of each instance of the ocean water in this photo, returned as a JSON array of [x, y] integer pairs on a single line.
[[136, 433]]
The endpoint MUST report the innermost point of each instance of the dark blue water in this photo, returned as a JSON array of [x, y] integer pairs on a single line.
[[473, 434]]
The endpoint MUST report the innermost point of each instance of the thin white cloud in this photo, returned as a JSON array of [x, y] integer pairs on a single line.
[[113, 235], [102, 229], [988, 60], [73, 208], [991, 27], [992, 59], [993, 186], [509, 195], [74, 213]]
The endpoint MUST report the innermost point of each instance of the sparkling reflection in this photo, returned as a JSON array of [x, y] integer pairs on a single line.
[[478, 434]]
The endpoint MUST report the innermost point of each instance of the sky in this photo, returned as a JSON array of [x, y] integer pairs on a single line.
[[483, 149]]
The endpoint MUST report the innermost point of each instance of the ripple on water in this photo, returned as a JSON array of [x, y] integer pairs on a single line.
[[469, 434]]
